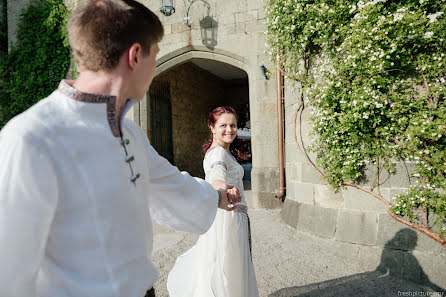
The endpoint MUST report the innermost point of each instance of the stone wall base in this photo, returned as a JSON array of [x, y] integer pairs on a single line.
[[374, 239], [265, 185]]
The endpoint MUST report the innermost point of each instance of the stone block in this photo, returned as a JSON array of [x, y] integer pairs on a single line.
[[226, 29], [317, 220], [360, 200], [385, 193], [261, 14], [396, 235], [179, 28], [400, 178], [266, 200], [310, 175], [357, 227], [342, 249], [433, 271], [167, 29], [265, 154], [255, 26], [301, 192], [247, 16], [290, 212], [293, 171], [255, 4], [293, 154], [240, 28], [326, 197], [227, 20], [264, 179], [263, 133], [370, 256]]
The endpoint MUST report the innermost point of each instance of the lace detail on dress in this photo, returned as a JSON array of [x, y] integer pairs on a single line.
[[219, 163]]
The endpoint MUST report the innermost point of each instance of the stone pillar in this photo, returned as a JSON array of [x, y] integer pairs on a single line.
[[264, 141], [14, 9]]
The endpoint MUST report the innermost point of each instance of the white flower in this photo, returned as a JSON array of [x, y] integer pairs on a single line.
[[352, 9], [428, 34], [433, 17], [398, 17]]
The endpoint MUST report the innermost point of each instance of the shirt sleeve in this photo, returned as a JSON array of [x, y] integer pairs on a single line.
[[28, 199], [178, 200], [218, 163]]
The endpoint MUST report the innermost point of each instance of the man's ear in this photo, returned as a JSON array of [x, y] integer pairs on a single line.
[[134, 55]]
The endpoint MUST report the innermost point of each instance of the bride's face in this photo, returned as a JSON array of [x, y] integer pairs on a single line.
[[225, 129]]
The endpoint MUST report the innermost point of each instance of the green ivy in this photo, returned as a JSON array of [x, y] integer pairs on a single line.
[[374, 73], [38, 61], [3, 29]]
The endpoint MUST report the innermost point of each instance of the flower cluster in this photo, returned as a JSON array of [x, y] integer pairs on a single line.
[[375, 73]]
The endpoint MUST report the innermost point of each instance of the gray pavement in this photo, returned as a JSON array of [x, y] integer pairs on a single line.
[[289, 263]]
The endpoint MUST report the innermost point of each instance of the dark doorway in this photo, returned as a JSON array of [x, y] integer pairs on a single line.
[[161, 119], [196, 87]]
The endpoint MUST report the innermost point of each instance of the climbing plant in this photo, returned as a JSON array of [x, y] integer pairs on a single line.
[[3, 28], [374, 75], [39, 59]]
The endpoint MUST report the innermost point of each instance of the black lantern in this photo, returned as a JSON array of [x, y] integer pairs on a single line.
[[167, 7], [209, 30]]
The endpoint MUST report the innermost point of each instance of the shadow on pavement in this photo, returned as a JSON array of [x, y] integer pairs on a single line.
[[395, 276], [368, 284]]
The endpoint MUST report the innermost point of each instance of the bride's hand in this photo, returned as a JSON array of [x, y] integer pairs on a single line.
[[224, 202]]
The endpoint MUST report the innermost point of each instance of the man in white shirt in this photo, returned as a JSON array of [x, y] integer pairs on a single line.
[[80, 183]]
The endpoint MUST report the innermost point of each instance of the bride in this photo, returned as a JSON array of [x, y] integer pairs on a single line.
[[220, 263]]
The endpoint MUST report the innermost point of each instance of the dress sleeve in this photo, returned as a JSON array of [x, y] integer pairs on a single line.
[[218, 165], [178, 200], [28, 200]]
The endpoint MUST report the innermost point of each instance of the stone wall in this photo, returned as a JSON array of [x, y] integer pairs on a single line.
[[352, 222]]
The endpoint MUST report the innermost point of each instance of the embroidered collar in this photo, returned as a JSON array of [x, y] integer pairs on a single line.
[[66, 89]]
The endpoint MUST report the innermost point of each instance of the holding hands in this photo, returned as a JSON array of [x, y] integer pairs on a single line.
[[228, 195]]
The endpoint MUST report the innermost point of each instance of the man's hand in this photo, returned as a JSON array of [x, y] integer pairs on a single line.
[[228, 195]]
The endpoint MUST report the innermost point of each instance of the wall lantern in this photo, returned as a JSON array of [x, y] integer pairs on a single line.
[[209, 30], [265, 72], [167, 7]]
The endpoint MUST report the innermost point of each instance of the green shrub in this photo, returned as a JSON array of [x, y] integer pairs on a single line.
[[38, 61]]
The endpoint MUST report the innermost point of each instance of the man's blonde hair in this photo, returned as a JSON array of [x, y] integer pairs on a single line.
[[100, 31]]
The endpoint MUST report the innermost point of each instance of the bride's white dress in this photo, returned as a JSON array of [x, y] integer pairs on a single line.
[[219, 264]]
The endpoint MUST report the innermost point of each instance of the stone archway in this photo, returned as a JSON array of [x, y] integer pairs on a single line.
[[198, 82]]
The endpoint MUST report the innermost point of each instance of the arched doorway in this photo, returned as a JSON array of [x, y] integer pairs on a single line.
[[196, 86]]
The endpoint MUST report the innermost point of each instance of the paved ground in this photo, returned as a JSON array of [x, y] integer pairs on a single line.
[[289, 263]]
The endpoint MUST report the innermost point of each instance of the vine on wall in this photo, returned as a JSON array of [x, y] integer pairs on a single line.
[[374, 72], [3, 28], [38, 61]]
